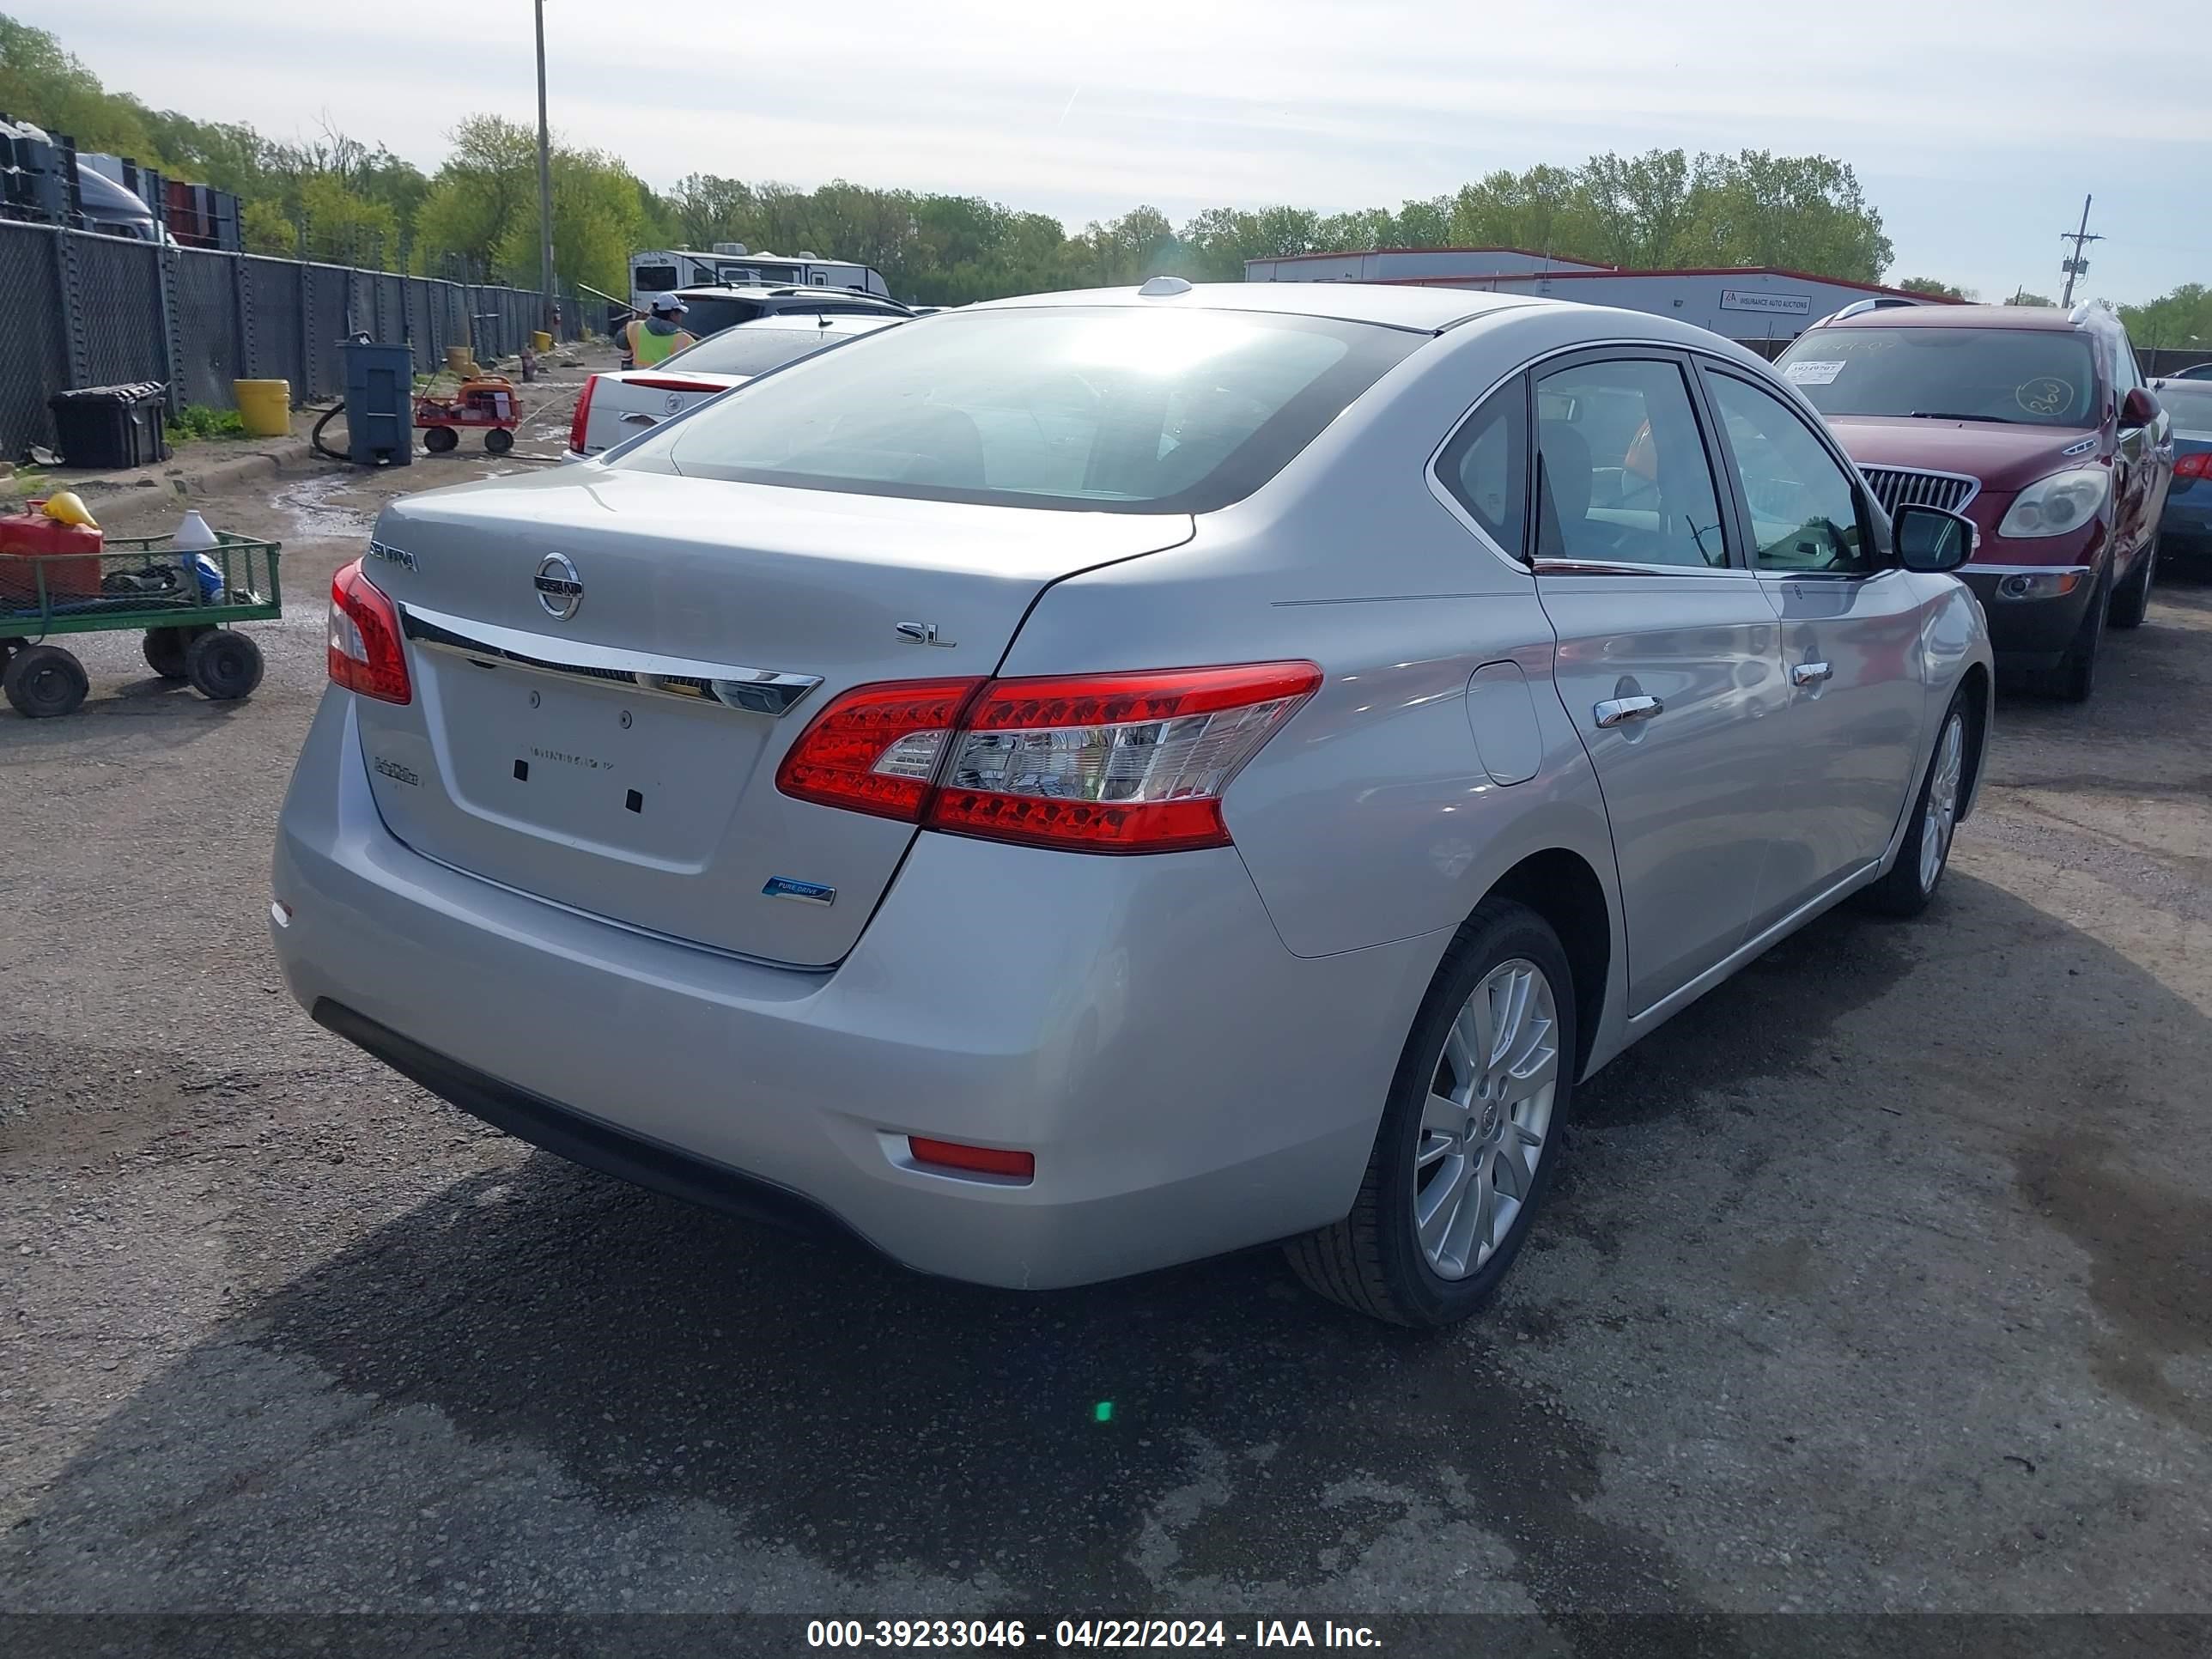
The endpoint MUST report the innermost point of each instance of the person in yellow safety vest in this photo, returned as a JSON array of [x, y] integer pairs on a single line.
[[654, 339]]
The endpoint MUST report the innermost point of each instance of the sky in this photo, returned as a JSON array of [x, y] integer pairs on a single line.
[[1976, 126]]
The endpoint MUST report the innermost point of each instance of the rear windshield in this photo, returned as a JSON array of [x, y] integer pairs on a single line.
[[710, 316], [2033, 377], [2190, 403], [757, 350], [1100, 409]]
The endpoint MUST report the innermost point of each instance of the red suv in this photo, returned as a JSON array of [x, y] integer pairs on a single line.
[[2033, 422]]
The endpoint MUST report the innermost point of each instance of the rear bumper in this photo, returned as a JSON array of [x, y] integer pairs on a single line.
[[1186, 1085], [2029, 632], [581, 1140]]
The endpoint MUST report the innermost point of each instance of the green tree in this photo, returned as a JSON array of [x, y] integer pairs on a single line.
[[599, 221], [41, 83], [2022, 297], [1544, 211], [2181, 318], [343, 227], [1929, 285], [1800, 212], [474, 202], [1218, 242], [708, 208], [264, 228]]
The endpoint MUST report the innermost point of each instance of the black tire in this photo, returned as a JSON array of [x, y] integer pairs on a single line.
[[224, 665], [499, 441], [2074, 680], [2131, 600], [1907, 889], [1372, 1261], [167, 648], [45, 681], [438, 438]]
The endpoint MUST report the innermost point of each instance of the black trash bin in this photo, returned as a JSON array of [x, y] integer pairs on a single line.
[[110, 425]]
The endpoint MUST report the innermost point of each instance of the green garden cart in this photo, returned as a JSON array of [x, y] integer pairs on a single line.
[[186, 601]]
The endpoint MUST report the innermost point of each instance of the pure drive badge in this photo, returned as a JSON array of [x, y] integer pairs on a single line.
[[806, 892]]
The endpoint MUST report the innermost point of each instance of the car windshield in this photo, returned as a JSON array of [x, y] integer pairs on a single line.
[[2190, 403], [755, 350], [2035, 377], [1104, 409]]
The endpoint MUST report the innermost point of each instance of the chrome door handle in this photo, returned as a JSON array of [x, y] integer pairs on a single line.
[[1809, 673], [1620, 711]]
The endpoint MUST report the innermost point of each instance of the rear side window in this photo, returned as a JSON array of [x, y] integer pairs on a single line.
[[1098, 409], [1486, 466], [653, 279], [1624, 476], [705, 316]]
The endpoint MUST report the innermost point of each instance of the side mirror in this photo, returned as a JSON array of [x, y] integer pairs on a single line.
[[2138, 407], [1930, 540]]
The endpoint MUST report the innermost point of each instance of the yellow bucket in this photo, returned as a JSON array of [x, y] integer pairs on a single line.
[[540, 341], [265, 406], [461, 360]]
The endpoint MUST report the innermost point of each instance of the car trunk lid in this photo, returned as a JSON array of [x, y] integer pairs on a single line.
[[637, 400], [599, 658]]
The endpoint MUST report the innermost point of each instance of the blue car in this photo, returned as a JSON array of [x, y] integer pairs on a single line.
[[2185, 528]]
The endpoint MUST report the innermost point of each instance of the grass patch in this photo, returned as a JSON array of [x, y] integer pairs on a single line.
[[198, 421]]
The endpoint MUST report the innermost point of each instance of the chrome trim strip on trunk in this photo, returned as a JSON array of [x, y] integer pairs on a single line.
[[759, 690]]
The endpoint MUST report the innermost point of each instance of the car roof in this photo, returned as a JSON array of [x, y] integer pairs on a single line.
[[780, 291], [1968, 316], [1429, 310]]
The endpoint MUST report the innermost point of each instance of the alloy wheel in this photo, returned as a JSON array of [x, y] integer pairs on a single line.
[[1488, 1114], [1941, 817]]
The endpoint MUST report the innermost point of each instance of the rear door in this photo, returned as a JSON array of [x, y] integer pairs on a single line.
[[1670, 656], [1850, 643]]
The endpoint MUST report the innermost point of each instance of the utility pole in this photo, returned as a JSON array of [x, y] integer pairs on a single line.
[[2077, 266], [545, 183]]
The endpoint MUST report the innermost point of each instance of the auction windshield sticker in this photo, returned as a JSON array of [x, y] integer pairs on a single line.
[[1806, 373]]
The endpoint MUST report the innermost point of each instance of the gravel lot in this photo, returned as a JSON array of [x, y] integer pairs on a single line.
[[1880, 1280]]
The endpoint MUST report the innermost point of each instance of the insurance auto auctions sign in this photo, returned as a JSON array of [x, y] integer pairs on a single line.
[[1789, 305]]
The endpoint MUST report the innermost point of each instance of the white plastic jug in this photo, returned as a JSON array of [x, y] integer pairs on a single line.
[[192, 534]]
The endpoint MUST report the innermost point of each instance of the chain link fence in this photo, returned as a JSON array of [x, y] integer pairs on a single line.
[[89, 310]]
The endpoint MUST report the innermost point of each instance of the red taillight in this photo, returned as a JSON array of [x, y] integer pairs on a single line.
[[1101, 764], [657, 384], [982, 1160], [2197, 463], [877, 748], [367, 657], [581, 422]]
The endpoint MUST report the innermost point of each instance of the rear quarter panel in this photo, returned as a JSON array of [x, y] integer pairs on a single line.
[[1371, 817]]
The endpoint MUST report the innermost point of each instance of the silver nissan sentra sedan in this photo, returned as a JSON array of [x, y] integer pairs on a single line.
[[1081, 783]]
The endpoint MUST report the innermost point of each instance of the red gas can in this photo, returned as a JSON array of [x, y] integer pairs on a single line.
[[33, 535]]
